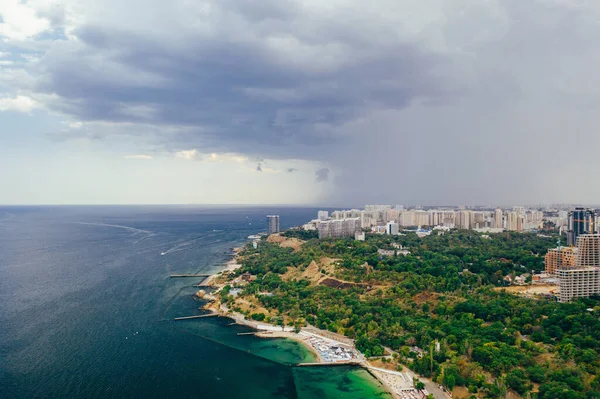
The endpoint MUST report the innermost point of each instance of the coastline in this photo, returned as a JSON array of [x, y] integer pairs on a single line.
[[385, 380], [230, 266], [380, 377], [292, 336], [390, 381]]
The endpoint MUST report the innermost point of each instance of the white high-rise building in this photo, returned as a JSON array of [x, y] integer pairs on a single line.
[[519, 209], [535, 216], [272, 224], [377, 208], [435, 217], [338, 228], [392, 228], [463, 220], [407, 218], [477, 220], [449, 218], [498, 219], [323, 215], [392, 215], [366, 219], [511, 221], [421, 218]]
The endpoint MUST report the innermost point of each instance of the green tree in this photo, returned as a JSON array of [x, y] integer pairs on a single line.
[[517, 380]]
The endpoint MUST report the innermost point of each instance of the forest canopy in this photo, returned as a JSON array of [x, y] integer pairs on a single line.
[[440, 309]]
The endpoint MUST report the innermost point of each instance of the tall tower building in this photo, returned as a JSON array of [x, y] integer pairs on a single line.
[[581, 221], [323, 215], [463, 220], [477, 220], [421, 218], [520, 222], [498, 219], [511, 221], [435, 217], [392, 228], [519, 209], [407, 218], [272, 224]]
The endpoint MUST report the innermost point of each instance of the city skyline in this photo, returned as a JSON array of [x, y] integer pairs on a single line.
[[388, 218]]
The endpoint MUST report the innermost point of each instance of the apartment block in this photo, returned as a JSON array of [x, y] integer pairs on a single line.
[[272, 224], [339, 228]]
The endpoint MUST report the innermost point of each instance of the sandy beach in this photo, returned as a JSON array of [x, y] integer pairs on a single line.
[[395, 383], [293, 336], [231, 266]]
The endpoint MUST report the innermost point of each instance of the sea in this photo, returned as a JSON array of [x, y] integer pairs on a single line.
[[87, 308]]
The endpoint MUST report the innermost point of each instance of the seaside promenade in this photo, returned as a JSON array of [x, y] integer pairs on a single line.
[[332, 349]]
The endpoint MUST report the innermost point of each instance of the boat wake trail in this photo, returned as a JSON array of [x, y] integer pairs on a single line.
[[186, 244], [118, 226], [180, 247]]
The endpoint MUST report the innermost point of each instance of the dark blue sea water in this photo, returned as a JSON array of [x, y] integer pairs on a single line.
[[86, 308]]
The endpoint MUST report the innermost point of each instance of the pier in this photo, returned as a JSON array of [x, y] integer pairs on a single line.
[[259, 332], [348, 363], [189, 275], [196, 317]]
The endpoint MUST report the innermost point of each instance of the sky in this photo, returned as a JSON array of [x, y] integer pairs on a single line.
[[324, 102]]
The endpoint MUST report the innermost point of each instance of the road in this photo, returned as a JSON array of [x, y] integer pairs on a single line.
[[431, 386]]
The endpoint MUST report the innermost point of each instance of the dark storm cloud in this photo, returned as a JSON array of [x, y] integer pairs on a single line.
[[322, 174], [227, 95]]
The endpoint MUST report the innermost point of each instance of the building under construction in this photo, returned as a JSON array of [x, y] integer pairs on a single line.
[[581, 280], [559, 257]]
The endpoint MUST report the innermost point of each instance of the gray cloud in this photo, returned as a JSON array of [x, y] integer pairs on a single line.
[[259, 168], [292, 170], [422, 103], [322, 174], [252, 95]]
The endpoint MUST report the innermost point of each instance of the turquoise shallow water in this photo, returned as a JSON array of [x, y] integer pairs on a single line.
[[337, 382], [86, 309]]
